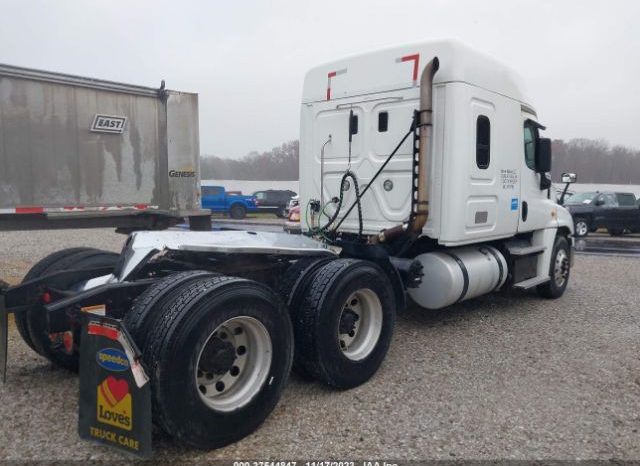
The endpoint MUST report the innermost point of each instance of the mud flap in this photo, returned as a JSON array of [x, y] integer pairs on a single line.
[[115, 397], [4, 339]]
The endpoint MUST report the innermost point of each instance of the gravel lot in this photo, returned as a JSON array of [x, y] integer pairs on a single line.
[[504, 376]]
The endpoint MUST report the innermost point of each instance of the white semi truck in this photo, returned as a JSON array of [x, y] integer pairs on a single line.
[[422, 173]]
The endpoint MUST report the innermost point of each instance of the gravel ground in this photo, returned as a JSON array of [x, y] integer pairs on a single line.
[[504, 376]]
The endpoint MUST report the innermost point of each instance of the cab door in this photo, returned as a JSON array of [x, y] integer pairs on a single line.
[[535, 208]]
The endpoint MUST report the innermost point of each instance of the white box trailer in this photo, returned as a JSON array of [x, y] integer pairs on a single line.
[[422, 173], [82, 152]]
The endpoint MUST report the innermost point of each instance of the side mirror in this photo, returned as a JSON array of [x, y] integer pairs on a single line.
[[569, 178], [543, 155], [599, 202]]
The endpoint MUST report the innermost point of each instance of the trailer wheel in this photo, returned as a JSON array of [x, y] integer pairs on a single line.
[[345, 322], [559, 270], [237, 211], [36, 317], [145, 309], [219, 357]]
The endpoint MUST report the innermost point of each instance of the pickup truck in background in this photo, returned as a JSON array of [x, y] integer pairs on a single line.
[[274, 201], [218, 200], [618, 212]]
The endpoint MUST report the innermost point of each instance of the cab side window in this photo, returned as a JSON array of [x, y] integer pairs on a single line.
[[483, 142], [530, 146]]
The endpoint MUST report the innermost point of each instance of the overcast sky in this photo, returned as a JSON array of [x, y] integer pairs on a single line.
[[247, 59]]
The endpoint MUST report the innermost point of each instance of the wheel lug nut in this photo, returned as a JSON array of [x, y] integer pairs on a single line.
[[235, 370], [220, 386], [241, 350]]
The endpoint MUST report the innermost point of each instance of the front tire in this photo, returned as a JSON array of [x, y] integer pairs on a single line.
[[581, 227], [219, 357], [344, 325], [559, 270]]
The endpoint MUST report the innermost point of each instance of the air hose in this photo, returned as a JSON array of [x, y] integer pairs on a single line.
[[347, 174]]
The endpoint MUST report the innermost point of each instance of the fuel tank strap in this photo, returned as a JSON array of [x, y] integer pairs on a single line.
[[465, 274], [500, 268]]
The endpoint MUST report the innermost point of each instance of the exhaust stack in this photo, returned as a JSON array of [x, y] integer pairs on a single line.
[[421, 214]]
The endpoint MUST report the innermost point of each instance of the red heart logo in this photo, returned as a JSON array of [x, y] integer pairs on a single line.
[[119, 388]]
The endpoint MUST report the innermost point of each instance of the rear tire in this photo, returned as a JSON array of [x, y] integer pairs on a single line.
[[344, 325], [237, 212], [146, 307], [36, 317], [40, 269], [292, 289], [559, 270], [189, 405]]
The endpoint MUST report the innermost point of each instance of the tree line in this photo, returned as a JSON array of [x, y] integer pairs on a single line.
[[278, 164], [594, 161]]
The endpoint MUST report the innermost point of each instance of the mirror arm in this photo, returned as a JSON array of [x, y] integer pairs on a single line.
[[564, 193]]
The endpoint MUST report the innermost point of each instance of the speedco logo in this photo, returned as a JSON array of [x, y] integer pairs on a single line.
[[114, 403], [108, 124], [112, 359]]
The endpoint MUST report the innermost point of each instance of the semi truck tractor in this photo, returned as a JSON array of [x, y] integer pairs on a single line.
[[424, 182]]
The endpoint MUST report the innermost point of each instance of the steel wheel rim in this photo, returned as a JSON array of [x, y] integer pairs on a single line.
[[561, 267], [358, 339], [237, 377], [581, 228]]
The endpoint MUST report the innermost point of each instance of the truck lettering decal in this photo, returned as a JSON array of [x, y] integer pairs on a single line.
[[182, 173], [509, 178], [108, 124]]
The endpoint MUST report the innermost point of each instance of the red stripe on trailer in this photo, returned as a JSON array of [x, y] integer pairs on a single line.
[[103, 331], [416, 63], [29, 210]]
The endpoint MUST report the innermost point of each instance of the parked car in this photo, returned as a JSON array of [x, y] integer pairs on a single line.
[[218, 200], [274, 201], [292, 225], [618, 212]]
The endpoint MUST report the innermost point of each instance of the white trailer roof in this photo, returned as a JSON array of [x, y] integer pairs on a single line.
[[400, 68]]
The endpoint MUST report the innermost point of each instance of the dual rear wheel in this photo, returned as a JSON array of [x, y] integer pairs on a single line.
[[343, 315], [218, 350]]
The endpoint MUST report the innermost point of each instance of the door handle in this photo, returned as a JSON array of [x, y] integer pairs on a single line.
[[525, 211]]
